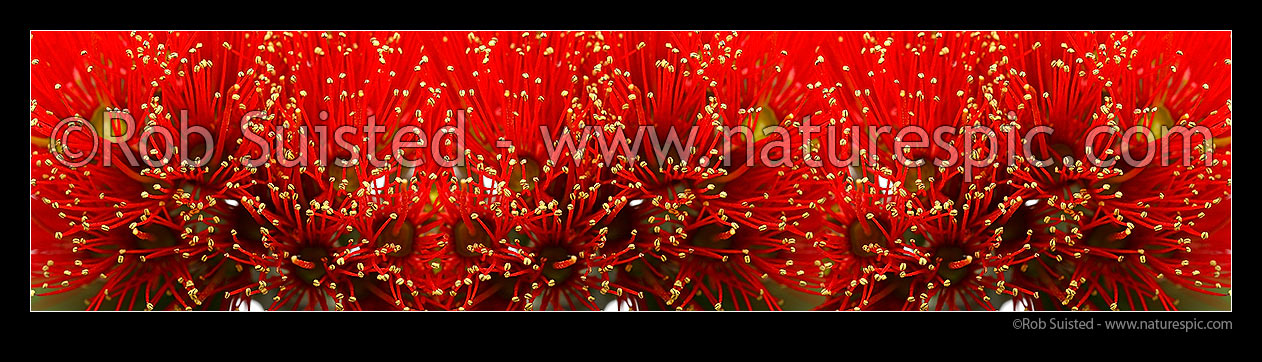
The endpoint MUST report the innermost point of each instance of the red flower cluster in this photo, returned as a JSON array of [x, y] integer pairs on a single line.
[[523, 223]]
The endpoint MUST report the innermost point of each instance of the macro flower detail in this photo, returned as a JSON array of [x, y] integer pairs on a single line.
[[641, 170]]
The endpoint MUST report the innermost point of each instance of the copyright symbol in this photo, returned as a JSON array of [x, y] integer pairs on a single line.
[[59, 145], [1016, 324]]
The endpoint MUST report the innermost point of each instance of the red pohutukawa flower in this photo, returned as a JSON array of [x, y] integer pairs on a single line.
[[716, 223], [1123, 236], [532, 214], [913, 227], [157, 221], [630, 170]]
